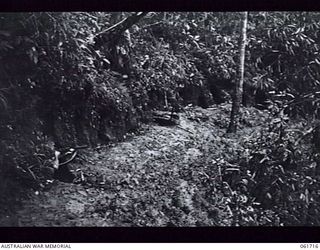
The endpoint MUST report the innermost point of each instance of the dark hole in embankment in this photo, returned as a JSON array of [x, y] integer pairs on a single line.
[[64, 174]]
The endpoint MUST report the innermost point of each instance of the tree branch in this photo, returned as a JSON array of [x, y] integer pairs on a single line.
[[116, 30]]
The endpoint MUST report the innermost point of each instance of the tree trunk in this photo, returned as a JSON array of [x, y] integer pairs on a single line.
[[110, 39], [238, 87], [114, 32]]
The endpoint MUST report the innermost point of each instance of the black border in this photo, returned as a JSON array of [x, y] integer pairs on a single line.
[[162, 235], [163, 5]]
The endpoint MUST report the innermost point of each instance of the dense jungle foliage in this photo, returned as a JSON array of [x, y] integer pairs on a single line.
[[90, 78]]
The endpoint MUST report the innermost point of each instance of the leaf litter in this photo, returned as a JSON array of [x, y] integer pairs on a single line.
[[166, 176]]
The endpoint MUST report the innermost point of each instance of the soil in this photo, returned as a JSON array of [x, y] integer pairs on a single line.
[[162, 176]]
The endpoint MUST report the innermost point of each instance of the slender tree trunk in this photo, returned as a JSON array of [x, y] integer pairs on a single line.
[[109, 40], [113, 33], [238, 88]]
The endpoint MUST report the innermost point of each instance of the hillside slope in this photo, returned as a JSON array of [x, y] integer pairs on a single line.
[[164, 176]]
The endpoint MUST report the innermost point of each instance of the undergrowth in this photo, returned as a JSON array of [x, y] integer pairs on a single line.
[[274, 181]]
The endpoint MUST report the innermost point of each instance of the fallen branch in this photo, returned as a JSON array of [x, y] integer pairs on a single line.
[[30, 171], [185, 129], [71, 159]]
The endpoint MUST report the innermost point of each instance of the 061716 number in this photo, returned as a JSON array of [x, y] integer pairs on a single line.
[[309, 245]]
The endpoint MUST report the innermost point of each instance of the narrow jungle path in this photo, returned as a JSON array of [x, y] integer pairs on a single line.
[[164, 176]]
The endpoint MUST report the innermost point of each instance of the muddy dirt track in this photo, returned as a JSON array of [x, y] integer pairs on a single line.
[[165, 176]]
